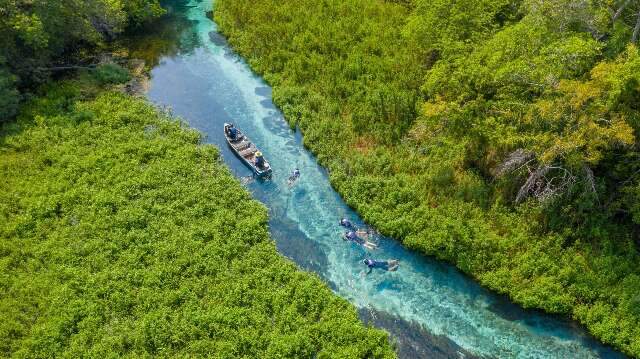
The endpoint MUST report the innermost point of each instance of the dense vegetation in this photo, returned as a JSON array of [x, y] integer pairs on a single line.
[[38, 37], [122, 235], [500, 135]]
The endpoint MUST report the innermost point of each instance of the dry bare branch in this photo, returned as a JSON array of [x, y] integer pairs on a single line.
[[545, 183], [66, 68], [530, 184], [618, 12], [514, 161]]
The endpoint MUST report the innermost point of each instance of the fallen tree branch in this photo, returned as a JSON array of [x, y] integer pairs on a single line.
[[69, 67], [514, 161], [530, 184], [543, 187]]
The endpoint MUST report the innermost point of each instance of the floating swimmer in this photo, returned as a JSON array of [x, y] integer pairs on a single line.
[[388, 265], [295, 175], [352, 236]]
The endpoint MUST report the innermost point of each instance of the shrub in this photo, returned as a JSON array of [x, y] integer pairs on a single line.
[[111, 74]]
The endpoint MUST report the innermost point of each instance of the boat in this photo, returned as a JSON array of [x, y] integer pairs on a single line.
[[246, 151]]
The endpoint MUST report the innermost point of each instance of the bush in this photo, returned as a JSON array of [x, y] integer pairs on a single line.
[[111, 74]]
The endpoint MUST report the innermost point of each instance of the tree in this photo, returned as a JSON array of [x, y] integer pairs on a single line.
[[36, 33]]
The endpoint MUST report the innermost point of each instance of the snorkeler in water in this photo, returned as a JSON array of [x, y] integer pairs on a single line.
[[352, 236], [295, 175], [387, 265]]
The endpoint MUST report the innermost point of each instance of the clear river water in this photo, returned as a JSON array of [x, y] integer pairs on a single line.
[[429, 307]]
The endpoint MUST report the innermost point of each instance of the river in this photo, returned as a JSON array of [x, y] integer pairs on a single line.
[[429, 307]]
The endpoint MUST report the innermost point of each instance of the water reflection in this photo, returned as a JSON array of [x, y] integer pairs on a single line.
[[171, 35]]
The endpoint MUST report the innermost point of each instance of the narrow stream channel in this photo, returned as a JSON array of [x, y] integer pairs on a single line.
[[429, 307]]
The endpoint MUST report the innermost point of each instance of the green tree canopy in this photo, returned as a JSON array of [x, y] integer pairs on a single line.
[[35, 34]]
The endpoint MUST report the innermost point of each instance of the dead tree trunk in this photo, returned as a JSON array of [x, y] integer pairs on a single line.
[[590, 181], [636, 30], [531, 182], [618, 12]]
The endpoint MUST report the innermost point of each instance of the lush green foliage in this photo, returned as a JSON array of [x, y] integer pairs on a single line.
[[497, 134], [36, 34], [111, 74], [122, 235]]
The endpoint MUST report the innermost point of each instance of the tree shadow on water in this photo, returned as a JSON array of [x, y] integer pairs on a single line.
[[170, 35]]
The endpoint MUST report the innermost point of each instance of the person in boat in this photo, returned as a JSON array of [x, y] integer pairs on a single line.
[[233, 132], [390, 265], [346, 223], [352, 236], [259, 161]]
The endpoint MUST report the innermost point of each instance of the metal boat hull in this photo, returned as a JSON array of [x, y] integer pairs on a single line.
[[247, 154]]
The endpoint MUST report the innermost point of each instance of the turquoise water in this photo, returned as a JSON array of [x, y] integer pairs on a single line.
[[429, 307]]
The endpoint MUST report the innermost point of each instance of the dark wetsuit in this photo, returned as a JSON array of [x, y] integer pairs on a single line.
[[372, 263], [294, 176], [346, 223], [353, 237]]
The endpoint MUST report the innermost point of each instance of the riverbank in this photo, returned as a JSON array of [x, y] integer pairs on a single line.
[[346, 76], [123, 234]]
